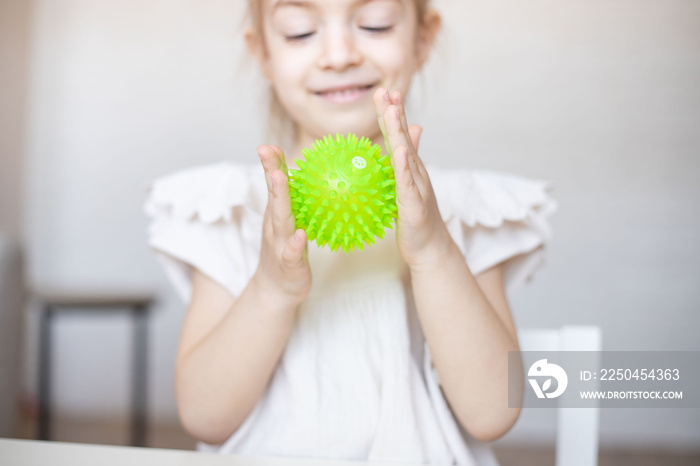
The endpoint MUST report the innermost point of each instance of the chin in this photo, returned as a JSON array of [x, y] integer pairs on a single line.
[[368, 127]]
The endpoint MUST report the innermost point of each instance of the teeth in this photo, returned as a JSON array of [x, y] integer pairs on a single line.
[[346, 91]]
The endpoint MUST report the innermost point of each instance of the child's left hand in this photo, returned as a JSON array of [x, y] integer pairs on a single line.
[[421, 235]]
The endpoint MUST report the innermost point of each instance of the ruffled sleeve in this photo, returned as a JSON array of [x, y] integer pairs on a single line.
[[209, 218], [495, 216]]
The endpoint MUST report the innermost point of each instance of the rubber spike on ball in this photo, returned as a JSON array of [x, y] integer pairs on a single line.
[[345, 179]]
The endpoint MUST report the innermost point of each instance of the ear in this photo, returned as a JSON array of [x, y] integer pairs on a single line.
[[427, 32], [255, 42]]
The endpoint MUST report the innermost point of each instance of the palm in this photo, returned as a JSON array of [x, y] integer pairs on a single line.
[[420, 230]]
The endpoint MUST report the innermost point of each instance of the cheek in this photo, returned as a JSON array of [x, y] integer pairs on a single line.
[[290, 69], [288, 80], [394, 58]]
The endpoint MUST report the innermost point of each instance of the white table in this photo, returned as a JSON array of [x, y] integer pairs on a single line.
[[39, 453]]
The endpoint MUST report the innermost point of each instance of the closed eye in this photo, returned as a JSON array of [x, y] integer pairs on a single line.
[[299, 37], [377, 29], [374, 30]]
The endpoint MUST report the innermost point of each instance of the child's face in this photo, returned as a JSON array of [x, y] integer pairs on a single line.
[[325, 59]]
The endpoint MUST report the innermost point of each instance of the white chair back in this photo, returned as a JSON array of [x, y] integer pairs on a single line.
[[577, 428]]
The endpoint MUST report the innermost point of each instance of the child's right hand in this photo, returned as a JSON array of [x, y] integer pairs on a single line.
[[283, 271]]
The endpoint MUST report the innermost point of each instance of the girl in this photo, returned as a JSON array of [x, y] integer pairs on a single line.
[[398, 352]]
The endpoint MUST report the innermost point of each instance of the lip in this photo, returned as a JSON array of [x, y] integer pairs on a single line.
[[346, 93]]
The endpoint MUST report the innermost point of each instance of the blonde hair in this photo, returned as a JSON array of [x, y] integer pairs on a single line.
[[281, 128]]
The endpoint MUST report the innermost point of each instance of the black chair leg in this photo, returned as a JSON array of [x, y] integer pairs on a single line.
[[139, 378], [44, 421]]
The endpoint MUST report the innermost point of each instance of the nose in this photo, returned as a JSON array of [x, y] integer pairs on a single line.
[[338, 49]]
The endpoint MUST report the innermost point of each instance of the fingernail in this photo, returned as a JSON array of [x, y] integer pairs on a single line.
[[386, 95], [273, 182], [397, 112]]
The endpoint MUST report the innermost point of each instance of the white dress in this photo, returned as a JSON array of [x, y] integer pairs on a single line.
[[356, 380]]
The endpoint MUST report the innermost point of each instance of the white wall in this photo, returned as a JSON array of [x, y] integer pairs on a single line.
[[600, 97], [122, 92]]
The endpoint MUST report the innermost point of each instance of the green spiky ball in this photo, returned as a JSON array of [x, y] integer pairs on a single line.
[[343, 194]]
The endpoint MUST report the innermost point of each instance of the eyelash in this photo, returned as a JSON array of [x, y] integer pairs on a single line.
[[301, 37], [378, 30]]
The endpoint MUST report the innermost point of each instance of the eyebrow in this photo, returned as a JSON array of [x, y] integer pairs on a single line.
[[312, 5]]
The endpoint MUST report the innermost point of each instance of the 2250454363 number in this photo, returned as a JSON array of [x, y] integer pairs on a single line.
[[639, 374]]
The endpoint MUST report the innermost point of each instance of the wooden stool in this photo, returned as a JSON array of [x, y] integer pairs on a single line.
[[58, 301]]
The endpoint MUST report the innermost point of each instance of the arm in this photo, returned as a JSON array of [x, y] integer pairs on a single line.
[[230, 347], [228, 350], [469, 330], [466, 321]]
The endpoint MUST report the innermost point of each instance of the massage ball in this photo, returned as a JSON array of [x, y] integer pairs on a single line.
[[343, 194]]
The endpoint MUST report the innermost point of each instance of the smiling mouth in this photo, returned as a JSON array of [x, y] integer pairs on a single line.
[[347, 92]]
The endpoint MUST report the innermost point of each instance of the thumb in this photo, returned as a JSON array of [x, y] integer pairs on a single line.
[[415, 131]]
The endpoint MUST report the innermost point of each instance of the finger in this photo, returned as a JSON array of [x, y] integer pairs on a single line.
[[415, 164], [398, 137], [281, 205], [265, 158], [271, 158], [414, 160], [381, 103], [294, 249], [263, 154], [268, 235], [415, 132], [280, 160], [397, 100], [407, 192]]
